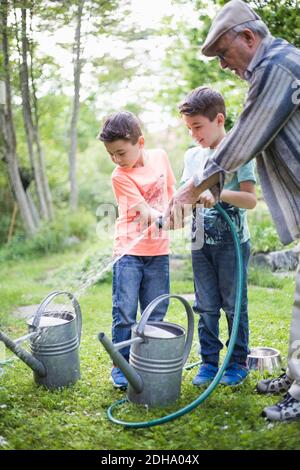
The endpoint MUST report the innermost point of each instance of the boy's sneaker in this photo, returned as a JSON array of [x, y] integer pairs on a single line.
[[234, 375], [286, 409], [277, 385], [206, 374], [118, 378]]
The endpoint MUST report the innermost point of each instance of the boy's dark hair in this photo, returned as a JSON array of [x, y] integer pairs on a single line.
[[204, 101], [121, 125]]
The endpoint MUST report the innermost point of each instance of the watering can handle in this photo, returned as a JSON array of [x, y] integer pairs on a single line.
[[152, 306], [48, 299]]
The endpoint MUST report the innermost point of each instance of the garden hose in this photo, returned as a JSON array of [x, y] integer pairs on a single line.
[[191, 406]]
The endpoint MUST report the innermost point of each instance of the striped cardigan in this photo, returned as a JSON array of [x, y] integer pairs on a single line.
[[269, 129]]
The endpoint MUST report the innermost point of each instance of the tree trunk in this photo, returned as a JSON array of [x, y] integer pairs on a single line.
[[8, 131], [33, 209], [75, 110], [40, 153], [31, 133], [43, 175]]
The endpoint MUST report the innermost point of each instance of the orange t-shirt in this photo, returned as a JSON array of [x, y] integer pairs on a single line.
[[153, 183]]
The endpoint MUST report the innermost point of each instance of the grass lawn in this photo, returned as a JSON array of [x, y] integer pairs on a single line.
[[75, 418]]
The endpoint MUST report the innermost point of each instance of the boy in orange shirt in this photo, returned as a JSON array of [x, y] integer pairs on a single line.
[[143, 183]]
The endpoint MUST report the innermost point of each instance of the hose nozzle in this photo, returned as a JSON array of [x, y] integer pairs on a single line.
[[160, 221]]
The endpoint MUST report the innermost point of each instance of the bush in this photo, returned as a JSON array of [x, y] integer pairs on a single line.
[[79, 224], [264, 237], [52, 236]]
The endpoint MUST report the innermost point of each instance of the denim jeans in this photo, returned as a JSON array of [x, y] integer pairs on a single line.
[[214, 269], [137, 279]]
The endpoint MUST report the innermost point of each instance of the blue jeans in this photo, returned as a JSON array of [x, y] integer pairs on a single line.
[[137, 279], [214, 269]]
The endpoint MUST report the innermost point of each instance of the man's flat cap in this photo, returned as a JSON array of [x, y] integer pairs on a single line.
[[234, 13]]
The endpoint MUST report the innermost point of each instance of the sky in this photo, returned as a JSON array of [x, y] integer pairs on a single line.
[[149, 12]]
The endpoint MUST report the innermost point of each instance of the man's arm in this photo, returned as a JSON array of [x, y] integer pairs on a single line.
[[268, 107]]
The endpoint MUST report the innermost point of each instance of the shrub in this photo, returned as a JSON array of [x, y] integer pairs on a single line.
[[264, 237], [52, 236]]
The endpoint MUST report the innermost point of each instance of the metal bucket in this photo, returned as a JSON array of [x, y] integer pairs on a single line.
[[57, 343], [264, 359], [158, 352], [159, 362]]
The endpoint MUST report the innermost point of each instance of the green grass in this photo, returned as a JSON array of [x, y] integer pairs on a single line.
[[75, 418]]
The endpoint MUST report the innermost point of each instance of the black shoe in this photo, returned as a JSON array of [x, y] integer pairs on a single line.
[[278, 385], [286, 409]]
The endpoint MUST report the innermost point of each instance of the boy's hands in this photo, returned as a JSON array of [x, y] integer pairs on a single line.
[[147, 218], [176, 218]]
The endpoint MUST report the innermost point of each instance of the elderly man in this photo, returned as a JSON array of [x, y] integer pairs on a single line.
[[268, 129]]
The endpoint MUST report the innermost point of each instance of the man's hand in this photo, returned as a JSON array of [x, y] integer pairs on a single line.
[[207, 199], [180, 206], [186, 197]]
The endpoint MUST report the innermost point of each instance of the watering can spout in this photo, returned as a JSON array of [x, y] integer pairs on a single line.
[[36, 365], [131, 375]]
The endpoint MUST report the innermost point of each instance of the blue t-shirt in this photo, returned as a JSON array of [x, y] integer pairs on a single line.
[[216, 229]]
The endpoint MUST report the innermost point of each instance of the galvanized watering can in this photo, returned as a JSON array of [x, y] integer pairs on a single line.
[[158, 353], [54, 341]]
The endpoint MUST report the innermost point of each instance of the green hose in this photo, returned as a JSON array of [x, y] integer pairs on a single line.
[[216, 380]]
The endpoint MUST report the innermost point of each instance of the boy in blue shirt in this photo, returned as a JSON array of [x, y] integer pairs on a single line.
[[214, 262]]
